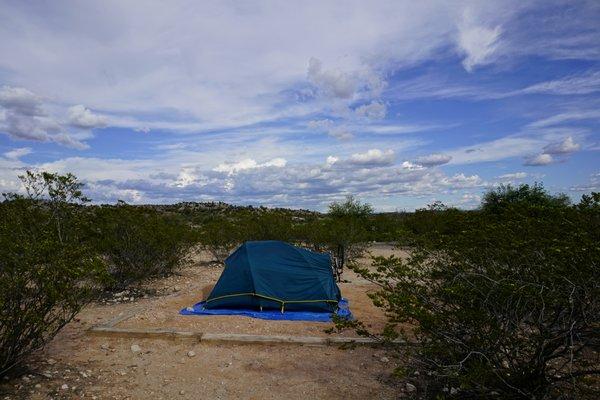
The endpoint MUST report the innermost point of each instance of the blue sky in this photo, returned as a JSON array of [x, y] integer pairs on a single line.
[[297, 105]]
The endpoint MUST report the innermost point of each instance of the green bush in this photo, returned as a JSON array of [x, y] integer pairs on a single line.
[[506, 304], [347, 226], [220, 236], [48, 270], [505, 196], [139, 242]]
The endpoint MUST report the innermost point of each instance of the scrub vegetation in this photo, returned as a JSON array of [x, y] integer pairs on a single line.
[[505, 300], [502, 301]]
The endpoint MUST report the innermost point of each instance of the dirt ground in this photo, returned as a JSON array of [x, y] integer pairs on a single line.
[[77, 365]]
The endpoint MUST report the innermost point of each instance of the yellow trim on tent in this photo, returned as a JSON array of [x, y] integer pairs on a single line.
[[270, 298]]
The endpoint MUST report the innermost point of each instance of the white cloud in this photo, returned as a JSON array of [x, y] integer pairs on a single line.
[[15, 154], [433, 159], [321, 124], [136, 59], [513, 176], [69, 141], [340, 132], [24, 118], [331, 160], [539, 160], [82, 117], [276, 162], [478, 43], [592, 184], [332, 83], [373, 157], [469, 200], [566, 146], [410, 166], [579, 84], [273, 182], [569, 116], [20, 100], [373, 110], [547, 156], [461, 181], [499, 149], [249, 163]]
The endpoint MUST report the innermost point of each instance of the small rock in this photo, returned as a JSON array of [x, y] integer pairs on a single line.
[[410, 387], [64, 386], [384, 359], [51, 361], [37, 386], [25, 378], [182, 392], [191, 353], [135, 348], [453, 391], [104, 346]]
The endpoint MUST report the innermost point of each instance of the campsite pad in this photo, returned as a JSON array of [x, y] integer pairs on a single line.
[[343, 311], [197, 282], [164, 313]]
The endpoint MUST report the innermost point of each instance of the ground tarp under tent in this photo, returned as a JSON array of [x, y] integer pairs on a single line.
[[267, 276], [343, 311]]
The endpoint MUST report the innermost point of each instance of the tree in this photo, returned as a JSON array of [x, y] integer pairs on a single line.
[[48, 269], [496, 200], [347, 226]]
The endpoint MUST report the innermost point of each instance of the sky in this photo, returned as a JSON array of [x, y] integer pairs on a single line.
[[298, 104]]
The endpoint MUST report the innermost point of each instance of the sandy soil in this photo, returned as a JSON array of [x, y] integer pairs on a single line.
[[75, 365]]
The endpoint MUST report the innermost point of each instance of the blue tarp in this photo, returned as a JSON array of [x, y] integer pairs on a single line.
[[343, 311]]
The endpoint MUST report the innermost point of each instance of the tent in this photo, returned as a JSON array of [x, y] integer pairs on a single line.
[[275, 275]]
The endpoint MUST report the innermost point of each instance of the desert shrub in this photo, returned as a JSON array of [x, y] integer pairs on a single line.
[[435, 219], [266, 225], [347, 226], [505, 196], [385, 227], [48, 270], [139, 242], [507, 305], [314, 233], [220, 236]]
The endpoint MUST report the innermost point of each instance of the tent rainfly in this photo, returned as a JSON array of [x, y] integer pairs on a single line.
[[276, 275]]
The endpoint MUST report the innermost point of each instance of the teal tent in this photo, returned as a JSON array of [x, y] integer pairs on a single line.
[[275, 275]]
